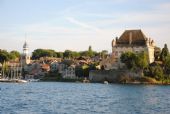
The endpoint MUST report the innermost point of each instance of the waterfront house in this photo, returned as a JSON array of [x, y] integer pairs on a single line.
[[45, 67], [69, 72], [61, 67], [54, 66]]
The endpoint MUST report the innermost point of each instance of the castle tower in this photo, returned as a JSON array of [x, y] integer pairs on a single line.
[[25, 55]]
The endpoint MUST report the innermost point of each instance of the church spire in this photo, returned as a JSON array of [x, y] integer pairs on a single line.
[[25, 56]]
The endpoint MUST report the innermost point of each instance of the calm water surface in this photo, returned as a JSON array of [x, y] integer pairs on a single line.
[[78, 98]]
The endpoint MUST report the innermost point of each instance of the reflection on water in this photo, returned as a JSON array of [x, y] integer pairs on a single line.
[[78, 98]]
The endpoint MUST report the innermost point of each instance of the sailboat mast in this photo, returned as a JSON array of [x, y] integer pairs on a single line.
[[3, 70], [14, 71], [21, 69], [17, 72]]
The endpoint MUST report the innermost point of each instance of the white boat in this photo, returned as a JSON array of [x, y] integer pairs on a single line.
[[33, 80], [106, 82], [13, 80]]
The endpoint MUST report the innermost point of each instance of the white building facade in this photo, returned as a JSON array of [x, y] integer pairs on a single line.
[[69, 72], [54, 66]]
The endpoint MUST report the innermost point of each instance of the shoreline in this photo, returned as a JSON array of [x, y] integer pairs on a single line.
[[145, 83], [123, 83]]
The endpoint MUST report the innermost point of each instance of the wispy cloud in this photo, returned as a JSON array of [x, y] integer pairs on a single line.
[[82, 24], [93, 22]]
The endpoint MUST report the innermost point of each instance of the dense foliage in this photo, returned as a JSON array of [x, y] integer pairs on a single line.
[[129, 59], [6, 56], [133, 61], [68, 54], [160, 69], [14, 54], [38, 53], [164, 53], [167, 65], [83, 70], [157, 52], [155, 71]]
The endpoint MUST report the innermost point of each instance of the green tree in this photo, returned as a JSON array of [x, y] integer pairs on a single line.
[[129, 59], [135, 61], [4, 56], [167, 64], [59, 54], [38, 53], [164, 53], [157, 53], [84, 53], [90, 52], [75, 54], [14, 54], [141, 61], [67, 54], [158, 73]]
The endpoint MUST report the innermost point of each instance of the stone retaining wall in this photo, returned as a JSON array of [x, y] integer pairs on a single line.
[[109, 75]]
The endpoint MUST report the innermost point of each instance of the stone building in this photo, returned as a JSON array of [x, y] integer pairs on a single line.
[[69, 72], [108, 63], [54, 66], [133, 41]]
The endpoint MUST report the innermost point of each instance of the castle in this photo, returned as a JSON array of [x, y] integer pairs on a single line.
[[133, 41]]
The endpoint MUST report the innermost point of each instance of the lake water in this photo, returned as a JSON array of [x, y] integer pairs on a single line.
[[79, 98]]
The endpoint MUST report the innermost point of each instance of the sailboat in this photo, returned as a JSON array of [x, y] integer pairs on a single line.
[[13, 75], [4, 78]]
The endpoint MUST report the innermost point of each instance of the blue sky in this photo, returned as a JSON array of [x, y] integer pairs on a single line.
[[76, 24]]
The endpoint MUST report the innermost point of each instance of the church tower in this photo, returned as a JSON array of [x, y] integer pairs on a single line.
[[25, 55]]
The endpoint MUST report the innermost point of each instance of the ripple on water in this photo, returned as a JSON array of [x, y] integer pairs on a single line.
[[73, 98]]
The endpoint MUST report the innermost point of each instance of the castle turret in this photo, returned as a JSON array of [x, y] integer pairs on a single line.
[[113, 43]]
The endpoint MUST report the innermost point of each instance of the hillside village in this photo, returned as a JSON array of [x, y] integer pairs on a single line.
[[48, 65]]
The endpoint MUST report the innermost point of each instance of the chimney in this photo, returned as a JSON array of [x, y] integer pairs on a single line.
[[130, 38]]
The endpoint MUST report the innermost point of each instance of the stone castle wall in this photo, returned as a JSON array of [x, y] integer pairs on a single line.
[[109, 75]]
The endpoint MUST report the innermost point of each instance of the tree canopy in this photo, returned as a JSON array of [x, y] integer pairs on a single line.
[[167, 64], [141, 60], [14, 54], [38, 53], [68, 54], [133, 60], [6, 56], [164, 53], [129, 59]]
